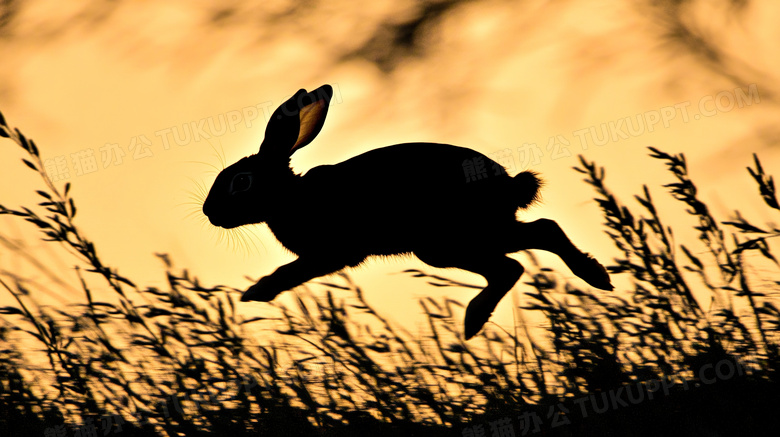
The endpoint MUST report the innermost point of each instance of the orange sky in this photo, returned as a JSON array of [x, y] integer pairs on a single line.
[[490, 75]]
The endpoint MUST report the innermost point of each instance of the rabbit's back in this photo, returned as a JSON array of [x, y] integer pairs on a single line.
[[397, 198], [416, 169]]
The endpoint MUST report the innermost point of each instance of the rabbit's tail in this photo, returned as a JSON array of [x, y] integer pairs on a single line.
[[527, 185]]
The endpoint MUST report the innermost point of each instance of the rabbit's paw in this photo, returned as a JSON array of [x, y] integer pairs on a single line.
[[592, 272], [265, 290], [477, 314]]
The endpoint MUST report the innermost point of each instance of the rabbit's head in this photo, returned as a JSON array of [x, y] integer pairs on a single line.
[[247, 191]]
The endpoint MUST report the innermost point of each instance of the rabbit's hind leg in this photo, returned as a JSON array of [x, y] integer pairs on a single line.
[[500, 271], [546, 235]]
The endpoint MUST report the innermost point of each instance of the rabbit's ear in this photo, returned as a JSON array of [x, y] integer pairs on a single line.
[[297, 121]]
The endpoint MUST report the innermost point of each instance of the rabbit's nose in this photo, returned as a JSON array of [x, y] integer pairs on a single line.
[[208, 210], [212, 219]]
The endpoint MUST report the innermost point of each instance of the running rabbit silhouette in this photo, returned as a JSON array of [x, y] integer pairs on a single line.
[[430, 200]]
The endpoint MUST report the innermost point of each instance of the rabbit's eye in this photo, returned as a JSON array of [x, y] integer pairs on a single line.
[[240, 182]]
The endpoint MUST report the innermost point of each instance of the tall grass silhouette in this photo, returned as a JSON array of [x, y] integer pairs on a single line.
[[697, 331]]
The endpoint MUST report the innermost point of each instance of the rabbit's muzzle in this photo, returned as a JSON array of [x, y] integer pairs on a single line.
[[224, 223], [215, 219]]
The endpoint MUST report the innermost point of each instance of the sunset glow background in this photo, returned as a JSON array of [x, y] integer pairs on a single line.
[[491, 75]]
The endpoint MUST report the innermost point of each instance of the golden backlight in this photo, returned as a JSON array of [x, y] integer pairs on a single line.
[[164, 79], [161, 93]]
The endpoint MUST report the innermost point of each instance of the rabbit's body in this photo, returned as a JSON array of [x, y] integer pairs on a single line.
[[448, 205], [418, 199]]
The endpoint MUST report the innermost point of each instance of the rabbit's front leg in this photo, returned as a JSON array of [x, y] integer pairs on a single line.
[[290, 276]]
